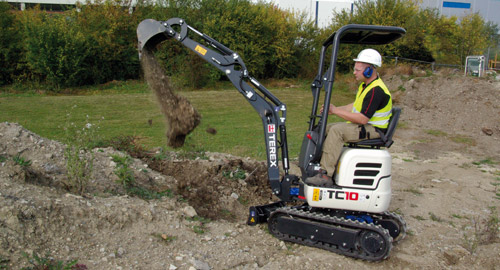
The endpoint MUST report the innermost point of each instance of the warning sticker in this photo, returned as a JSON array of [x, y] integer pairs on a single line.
[[316, 194], [200, 50]]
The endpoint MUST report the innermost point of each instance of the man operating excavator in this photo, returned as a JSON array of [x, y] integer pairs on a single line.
[[368, 115]]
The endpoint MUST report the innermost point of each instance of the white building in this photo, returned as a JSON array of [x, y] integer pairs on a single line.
[[488, 9], [321, 11]]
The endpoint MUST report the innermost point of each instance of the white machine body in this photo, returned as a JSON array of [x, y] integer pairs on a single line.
[[362, 183]]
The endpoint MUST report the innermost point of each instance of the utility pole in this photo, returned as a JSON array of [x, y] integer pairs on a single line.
[[317, 8]]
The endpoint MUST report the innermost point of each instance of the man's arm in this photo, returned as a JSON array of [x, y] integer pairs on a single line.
[[345, 112], [356, 118]]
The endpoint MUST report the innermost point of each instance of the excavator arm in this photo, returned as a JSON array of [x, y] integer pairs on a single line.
[[271, 110]]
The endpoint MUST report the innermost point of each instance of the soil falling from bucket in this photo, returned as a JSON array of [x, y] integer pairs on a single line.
[[181, 116]]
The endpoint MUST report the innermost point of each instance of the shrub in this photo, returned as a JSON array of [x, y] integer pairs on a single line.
[[273, 46], [10, 45], [110, 30], [56, 52], [78, 154]]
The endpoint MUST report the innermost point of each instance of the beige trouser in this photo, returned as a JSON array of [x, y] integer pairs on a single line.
[[338, 134]]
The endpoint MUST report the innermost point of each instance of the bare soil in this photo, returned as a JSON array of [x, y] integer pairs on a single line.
[[446, 174]]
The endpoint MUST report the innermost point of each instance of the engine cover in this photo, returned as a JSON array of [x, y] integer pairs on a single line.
[[362, 183]]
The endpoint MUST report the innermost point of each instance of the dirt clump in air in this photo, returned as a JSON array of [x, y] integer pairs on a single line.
[[181, 116]]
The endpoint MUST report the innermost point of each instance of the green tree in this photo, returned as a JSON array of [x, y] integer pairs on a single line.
[[384, 12], [439, 35], [10, 44], [55, 50], [471, 37], [110, 29], [269, 45]]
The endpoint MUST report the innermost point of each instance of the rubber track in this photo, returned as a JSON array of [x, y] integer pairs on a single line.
[[334, 221], [399, 220]]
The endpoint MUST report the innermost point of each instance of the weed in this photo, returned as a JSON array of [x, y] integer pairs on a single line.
[[3, 263], [485, 231], [407, 160], [21, 161], [413, 190], [437, 133], [47, 263], [165, 237], [236, 174], [243, 201], [419, 218], [402, 125], [127, 179], [226, 214], [192, 155], [433, 217], [488, 161], [401, 88], [200, 228], [79, 157], [161, 155], [125, 174], [129, 144], [3, 158], [147, 194], [464, 140], [457, 216]]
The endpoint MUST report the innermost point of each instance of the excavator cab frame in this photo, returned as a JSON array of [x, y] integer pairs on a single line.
[[358, 34]]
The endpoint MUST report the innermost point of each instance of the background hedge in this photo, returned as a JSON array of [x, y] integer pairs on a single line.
[[96, 42]]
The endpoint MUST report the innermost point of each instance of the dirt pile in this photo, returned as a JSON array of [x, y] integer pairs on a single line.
[[181, 116], [456, 110]]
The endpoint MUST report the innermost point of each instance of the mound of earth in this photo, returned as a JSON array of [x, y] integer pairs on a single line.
[[446, 174]]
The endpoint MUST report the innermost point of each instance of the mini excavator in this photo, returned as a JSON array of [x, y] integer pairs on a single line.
[[351, 216]]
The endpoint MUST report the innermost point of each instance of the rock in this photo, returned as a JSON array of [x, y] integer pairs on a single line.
[[487, 131], [120, 252], [454, 255], [200, 265], [189, 211]]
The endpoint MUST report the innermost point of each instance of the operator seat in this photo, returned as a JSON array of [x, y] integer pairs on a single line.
[[385, 140]]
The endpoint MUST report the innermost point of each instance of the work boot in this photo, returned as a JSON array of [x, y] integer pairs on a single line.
[[320, 180]]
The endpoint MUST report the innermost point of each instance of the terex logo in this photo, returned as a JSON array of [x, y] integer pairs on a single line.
[[271, 130]]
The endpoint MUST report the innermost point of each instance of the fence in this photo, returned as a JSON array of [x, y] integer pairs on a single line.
[[433, 65]]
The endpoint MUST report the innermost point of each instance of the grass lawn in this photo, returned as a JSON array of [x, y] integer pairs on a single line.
[[125, 108]]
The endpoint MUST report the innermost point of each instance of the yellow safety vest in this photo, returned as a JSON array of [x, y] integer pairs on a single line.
[[381, 117]]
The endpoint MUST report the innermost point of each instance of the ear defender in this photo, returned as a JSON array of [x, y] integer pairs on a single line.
[[368, 72]]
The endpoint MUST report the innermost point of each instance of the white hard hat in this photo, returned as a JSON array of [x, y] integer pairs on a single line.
[[369, 56]]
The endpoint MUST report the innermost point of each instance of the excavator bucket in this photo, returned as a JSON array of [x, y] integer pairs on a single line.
[[150, 33]]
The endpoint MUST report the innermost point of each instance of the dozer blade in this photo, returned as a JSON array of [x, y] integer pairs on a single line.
[[150, 33], [260, 214]]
